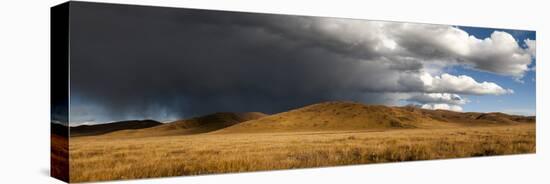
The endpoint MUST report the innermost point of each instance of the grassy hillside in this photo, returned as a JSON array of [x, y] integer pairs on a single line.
[[317, 117], [473, 118], [356, 116]]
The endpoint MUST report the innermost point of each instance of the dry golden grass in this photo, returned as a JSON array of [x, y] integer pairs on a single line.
[[59, 157], [106, 158]]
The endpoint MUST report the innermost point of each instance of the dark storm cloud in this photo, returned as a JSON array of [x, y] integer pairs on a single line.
[[145, 62], [139, 61]]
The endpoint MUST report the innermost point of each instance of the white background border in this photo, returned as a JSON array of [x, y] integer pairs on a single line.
[[24, 90]]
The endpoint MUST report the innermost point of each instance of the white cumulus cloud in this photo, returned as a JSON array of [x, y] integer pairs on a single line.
[[531, 46], [461, 84], [442, 107], [447, 98]]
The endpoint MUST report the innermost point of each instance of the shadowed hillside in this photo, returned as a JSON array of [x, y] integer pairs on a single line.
[[357, 116], [87, 130], [195, 125], [59, 129]]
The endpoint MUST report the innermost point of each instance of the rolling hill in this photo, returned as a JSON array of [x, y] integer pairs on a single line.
[[357, 116], [473, 118], [195, 125], [88, 130], [326, 116]]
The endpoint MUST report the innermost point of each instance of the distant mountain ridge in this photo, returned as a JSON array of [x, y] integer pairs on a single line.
[[194, 125], [88, 130], [335, 115]]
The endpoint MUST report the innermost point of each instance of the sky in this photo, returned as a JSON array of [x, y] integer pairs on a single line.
[[138, 62]]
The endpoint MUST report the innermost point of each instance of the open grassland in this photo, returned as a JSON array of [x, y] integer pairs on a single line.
[[97, 158]]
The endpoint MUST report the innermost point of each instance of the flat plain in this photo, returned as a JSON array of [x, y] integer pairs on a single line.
[[262, 144]]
